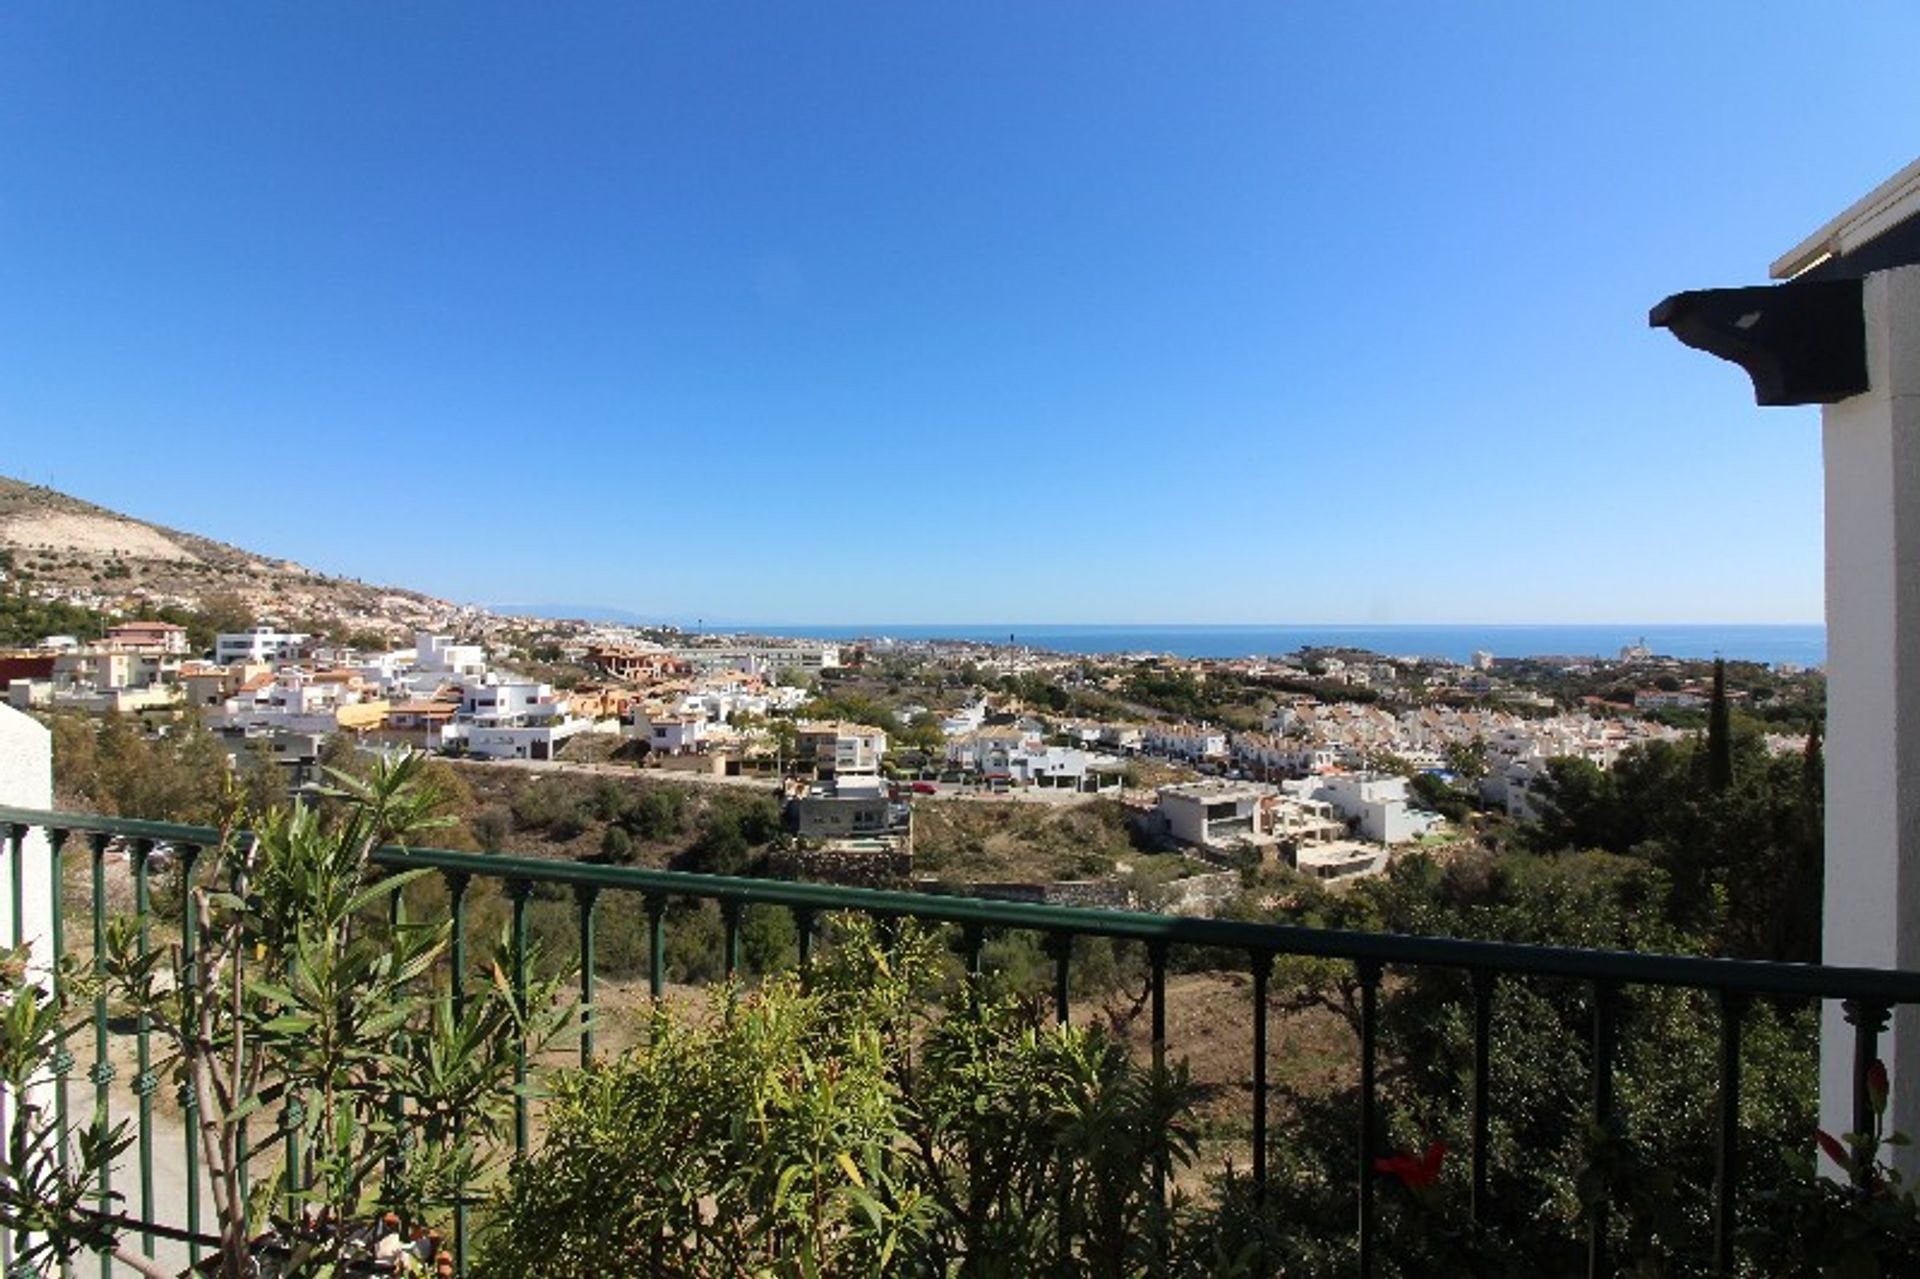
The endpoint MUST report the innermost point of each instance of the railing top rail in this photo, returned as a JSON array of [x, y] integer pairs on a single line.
[[1758, 977]]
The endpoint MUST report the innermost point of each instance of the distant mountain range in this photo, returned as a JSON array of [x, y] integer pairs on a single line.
[[576, 613]]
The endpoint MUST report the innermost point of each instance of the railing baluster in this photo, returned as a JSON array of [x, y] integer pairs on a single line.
[[1060, 946], [1733, 1008], [396, 1101], [1483, 983], [102, 1073], [1868, 1018], [1368, 971], [236, 868], [804, 921], [63, 1056], [1157, 1015], [144, 1082], [1262, 962], [1157, 1000], [190, 976], [457, 881], [1606, 1007], [294, 1178], [16, 840], [730, 925], [585, 896], [656, 945], [973, 945], [16, 863], [519, 890]]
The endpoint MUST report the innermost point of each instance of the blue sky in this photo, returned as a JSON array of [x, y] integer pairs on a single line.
[[912, 313]]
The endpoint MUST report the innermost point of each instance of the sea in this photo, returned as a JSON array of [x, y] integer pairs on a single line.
[[1803, 644]]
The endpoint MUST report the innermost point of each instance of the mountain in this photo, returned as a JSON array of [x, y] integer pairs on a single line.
[[58, 546]]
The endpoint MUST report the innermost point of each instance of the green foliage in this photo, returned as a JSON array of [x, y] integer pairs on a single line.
[[657, 813], [1810, 1227], [735, 830], [923, 733], [312, 1002], [25, 620], [616, 845], [1719, 748], [840, 1130], [1434, 792], [854, 708], [1744, 858], [1548, 1166], [45, 1198], [110, 765]]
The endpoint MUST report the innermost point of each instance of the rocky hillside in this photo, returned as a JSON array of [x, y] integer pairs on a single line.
[[60, 547]]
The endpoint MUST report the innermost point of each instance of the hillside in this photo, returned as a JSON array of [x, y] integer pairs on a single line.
[[61, 547]]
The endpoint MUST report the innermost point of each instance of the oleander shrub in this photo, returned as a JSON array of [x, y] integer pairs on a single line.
[[840, 1127]]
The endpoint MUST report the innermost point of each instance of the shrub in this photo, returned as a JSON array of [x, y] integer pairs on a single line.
[[791, 1131]]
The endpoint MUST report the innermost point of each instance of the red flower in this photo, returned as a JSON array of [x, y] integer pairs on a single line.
[[1877, 1086], [1414, 1173], [1835, 1151]]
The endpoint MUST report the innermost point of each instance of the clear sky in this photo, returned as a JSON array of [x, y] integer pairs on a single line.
[[1211, 312]]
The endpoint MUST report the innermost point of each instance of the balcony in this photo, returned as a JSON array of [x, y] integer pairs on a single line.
[[1499, 990]]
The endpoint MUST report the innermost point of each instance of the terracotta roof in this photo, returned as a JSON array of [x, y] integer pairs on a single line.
[[423, 708]]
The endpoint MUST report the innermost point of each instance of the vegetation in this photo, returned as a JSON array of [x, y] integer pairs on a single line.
[[840, 1130], [1742, 853], [26, 620], [111, 765], [301, 1010], [976, 842]]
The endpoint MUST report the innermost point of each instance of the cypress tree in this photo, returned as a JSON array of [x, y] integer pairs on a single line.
[[1719, 733]]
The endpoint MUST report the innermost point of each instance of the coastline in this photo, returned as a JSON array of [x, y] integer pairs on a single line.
[[1800, 644]]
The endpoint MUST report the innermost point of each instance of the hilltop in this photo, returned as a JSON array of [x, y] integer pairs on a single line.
[[60, 547]]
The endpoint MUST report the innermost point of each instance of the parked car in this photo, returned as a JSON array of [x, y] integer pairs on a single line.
[[925, 788]]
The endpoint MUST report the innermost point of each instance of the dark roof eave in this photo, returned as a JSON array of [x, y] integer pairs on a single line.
[[1803, 342]]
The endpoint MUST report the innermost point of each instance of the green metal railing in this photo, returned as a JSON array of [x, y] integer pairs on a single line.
[[1868, 995]]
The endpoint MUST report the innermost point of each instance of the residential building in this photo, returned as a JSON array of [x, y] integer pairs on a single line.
[[162, 637], [1219, 815], [259, 644], [831, 748]]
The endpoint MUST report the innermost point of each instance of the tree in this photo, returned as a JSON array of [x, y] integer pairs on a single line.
[[220, 613], [1546, 1163], [1719, 733], [923, 733]]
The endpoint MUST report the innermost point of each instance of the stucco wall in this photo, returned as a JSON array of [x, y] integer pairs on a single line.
[[26, 781]]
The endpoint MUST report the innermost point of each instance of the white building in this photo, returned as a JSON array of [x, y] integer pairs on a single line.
[[670, 732], [1219, 814], [260, 644], [164, 637], [835, 748], [1066, 768], [438, 654], [1186, 741], [1377, 804]]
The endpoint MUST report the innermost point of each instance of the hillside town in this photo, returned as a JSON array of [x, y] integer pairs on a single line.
[[1325, 762]]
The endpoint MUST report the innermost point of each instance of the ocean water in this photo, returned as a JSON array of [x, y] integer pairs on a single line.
[[1801, 644]]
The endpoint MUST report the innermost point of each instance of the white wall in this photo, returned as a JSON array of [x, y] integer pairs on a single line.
[[1872, 891], [26, 781]]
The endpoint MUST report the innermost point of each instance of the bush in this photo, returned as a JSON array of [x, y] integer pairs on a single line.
[[779, 1135], [616, 845]]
